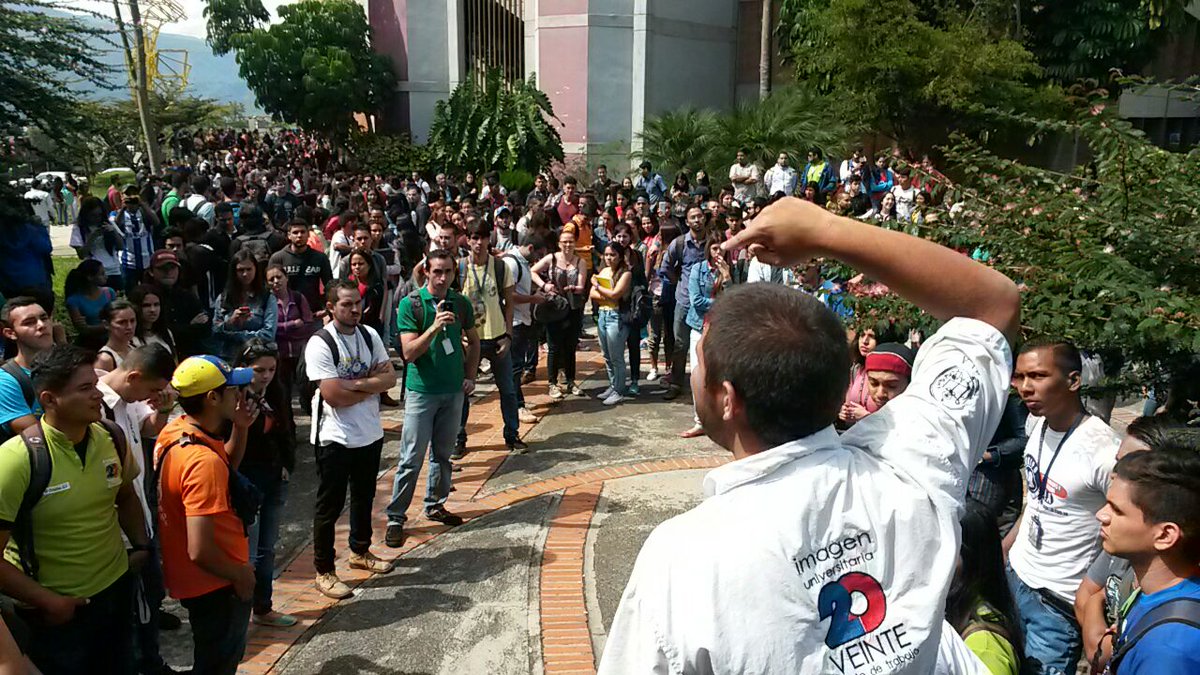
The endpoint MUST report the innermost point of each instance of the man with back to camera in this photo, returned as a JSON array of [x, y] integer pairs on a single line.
[[1069, 459], [853, 580]]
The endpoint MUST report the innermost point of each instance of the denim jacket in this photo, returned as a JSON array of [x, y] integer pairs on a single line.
[[700, 294], [264, 314]]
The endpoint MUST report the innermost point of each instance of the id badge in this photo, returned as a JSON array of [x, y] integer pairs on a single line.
[[1035, 533], [448, 346]]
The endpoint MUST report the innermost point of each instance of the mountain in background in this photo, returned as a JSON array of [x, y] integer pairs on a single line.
[[211, 76]]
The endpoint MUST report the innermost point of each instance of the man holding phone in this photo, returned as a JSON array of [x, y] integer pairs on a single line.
[[432, 322]]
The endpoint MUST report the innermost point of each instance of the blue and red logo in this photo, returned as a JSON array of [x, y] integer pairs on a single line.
[[837, 602]]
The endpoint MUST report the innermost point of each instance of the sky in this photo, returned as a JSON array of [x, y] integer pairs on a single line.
[[193, 24]]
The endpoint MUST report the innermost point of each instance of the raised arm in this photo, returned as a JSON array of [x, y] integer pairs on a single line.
[[940, 281]]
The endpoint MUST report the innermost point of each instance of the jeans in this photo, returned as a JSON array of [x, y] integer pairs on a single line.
[[683, 338], [337, 468], [524, 356], [662, 330], [488, 349], [264, 533], [562, 344], [98, 638], [219, 621], [613, 333], [633, 342], [430, 421], [1053, 643]]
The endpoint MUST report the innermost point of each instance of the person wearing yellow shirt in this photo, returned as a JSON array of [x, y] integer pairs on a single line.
[[610, 289], [980, 605]]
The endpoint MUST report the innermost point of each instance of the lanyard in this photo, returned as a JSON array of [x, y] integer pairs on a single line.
[[480, 286], [1044, 479]]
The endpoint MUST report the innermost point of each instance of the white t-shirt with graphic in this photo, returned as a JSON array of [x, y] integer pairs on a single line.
[[905, 201], [357, 425], [826, 554], [1059, 536]]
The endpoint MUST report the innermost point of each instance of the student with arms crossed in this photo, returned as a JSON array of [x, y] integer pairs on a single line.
[[724, 589]]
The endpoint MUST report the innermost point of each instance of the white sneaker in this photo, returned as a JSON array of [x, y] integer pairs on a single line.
[[613, 399], [556, 394], [653, 375], [526, 416], [606, 393]]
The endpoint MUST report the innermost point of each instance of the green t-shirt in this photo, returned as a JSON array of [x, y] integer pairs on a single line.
[[76, 535], [440, 370]]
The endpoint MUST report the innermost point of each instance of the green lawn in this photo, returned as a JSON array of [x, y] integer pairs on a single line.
[[62, 265]]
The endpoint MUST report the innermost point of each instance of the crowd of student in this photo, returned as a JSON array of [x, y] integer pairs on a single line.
[[260, 272]]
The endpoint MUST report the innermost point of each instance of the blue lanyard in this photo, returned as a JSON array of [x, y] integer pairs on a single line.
[[1044, 479]]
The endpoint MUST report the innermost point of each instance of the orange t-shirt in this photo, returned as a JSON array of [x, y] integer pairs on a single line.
[[194, 481], [581, 227]]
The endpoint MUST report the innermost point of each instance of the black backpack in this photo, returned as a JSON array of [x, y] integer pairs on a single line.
[[308, 388], [40, 467], [26, 384], [1179, 610], [258, 244]]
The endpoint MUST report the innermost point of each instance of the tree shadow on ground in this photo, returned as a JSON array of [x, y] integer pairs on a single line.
[[352, 664]]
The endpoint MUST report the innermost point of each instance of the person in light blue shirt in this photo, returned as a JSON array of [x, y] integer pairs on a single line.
[[1152, 519], [651, 183]]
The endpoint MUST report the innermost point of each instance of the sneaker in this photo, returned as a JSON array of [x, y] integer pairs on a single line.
[[274, 619], [394, 538], [438, 513], [518, 446], [606, 393], [370, 562], [575, 390], [527, 377], [526, 417], [614, 399], [485, 367], [556, 394], [332, 587], [634, 390], [653, 375], [672, 393], [460, 451]]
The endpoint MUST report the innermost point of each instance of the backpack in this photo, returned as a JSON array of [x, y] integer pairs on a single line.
[[26, 384], [1179, 610], [418, 309], [638, 308], [258, 244], [40, 468], [309, 388]]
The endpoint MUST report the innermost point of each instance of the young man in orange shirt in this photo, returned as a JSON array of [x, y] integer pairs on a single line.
[[204, 551]]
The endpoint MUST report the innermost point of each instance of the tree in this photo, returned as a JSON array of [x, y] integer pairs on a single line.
[[1088, 38], [495, 124], [793, 119], [1106, 255], [315, 68], [764, 51], [906, 77], [135, 60]]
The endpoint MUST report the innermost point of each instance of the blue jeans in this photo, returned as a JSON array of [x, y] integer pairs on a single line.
[[265, 531], [430, 422], [1053, 644], [613, 334], [219, 621], [508, 393], [524, 356], [683, 337]]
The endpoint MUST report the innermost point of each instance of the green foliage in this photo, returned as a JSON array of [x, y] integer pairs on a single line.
[[792, 119], [388, 154], [1106, 256], [45, 58], [1086, 38], [315, 68], [230, 20], [518, 181], [909, 78], [495, 125]]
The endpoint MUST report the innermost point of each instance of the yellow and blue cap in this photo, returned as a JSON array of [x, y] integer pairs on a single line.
[[201, 374]]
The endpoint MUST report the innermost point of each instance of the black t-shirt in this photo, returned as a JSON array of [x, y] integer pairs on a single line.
[[306, 272]]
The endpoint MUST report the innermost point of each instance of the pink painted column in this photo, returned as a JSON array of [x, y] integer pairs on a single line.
[[562, 67]]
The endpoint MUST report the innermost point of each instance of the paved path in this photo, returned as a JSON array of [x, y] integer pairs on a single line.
[[530, 583]]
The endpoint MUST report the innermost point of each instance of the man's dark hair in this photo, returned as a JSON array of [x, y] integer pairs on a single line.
[[223, 208], [194, 229], [816, 151], [602, 166], [1163, 431], [477, 228], [570, 180], [1166, 487], [251, 217], [785, 355], [179, 215], [338, 285], [228, 186], [152, 360], [15, 303], [55, 367], [172, 233], [178, 180], [297, 223], [1066, 355], [440, 254], [201, 184], [534, 239]]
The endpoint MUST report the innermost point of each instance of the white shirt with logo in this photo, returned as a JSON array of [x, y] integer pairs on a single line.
[[827, 554], [357, 425], [1065, 514]]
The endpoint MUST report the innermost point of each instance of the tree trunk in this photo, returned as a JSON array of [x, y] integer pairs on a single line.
[[764, 52], [136, 56]]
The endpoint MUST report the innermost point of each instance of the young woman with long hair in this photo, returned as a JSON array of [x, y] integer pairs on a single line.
[[95, 237], [246, 309], [858, 402], [370, 288], [563, 273], [86, 296], [270, 458], [610, 290], [637, 267], [292, 330], [152, 321], [980, 605], [708, 279], [120, 320]]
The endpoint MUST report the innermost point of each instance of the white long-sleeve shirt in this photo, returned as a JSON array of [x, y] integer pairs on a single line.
[[825, 554], [780, 179]]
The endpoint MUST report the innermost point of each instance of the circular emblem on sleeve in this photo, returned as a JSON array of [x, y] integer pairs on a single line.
[[955, 386]]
